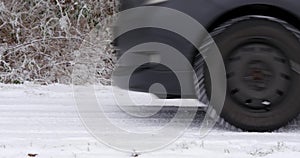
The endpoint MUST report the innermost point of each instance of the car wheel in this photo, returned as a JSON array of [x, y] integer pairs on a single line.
[[263, 85]]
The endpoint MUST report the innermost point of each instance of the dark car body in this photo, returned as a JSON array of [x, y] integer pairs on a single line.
[[210, 14]]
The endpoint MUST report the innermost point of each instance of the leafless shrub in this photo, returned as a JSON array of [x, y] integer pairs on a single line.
[[39, 38]]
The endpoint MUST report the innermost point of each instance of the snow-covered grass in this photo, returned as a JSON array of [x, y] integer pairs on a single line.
[[43, 120]]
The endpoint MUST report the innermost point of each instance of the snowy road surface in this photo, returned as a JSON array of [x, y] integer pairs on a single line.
[[43, 120]]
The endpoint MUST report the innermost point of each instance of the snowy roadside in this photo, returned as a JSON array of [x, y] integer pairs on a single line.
[[43, 120]]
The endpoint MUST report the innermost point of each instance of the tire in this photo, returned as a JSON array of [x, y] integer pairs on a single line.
[[262, 87]]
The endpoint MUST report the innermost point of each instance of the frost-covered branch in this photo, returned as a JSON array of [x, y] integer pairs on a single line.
[[39, 38]]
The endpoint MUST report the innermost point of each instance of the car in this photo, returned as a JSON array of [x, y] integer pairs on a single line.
[[259, 41]]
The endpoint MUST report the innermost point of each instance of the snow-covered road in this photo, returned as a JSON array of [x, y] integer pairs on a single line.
[[43, 120]]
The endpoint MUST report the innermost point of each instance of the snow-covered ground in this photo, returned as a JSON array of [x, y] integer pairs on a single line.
[[43, 120]]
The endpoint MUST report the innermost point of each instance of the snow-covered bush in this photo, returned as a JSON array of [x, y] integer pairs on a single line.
[[38, 38]]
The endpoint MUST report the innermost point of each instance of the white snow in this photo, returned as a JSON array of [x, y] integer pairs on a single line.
[[43, 120]]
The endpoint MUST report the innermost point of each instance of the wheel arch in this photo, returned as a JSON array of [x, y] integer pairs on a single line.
[[256, 9]]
